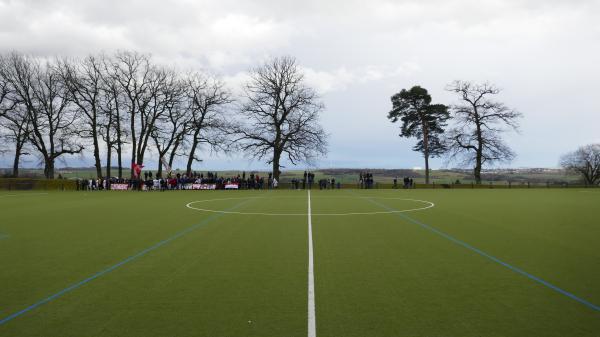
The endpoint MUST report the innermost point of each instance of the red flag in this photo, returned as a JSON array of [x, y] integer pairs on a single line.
[[137, 169]]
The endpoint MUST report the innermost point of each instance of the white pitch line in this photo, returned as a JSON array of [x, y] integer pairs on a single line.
[[312, 322], [189, 205]]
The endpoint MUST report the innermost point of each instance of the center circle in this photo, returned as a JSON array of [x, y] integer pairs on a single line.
[[425, 205]]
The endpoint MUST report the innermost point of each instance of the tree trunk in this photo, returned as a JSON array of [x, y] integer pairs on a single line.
[[15, 170], [133, 144], [119, 160], [478, 159], [108, 163], [97, 161], [119, 142], [276, 157], [479, 154], [108, 159], [49, 168], [427, 168], [132, 162], [188, 168], [140, 159], [159, 170], [20, 141], [173, 154], [477, 174], [143, 145], [426, 151]]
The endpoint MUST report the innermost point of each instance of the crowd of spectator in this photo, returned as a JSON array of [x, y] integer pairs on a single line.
[[329, 184], [365, 180], [209, 180], [149, 181], [307, 181], [408, 182]]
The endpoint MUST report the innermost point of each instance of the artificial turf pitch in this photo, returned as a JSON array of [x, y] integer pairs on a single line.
[[479, 263]]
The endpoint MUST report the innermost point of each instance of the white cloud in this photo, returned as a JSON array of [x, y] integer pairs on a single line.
[[237, 81], [341, 78]]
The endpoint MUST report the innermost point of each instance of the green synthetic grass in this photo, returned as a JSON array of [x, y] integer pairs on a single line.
[[199, 273]]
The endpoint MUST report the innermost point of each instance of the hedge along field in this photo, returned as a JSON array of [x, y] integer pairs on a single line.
[[36, 184], [144, 264]]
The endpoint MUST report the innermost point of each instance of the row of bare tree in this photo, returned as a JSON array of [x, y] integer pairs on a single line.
[[126, 103]]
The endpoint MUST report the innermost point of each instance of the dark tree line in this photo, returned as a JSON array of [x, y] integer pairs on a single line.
[[124, 106]]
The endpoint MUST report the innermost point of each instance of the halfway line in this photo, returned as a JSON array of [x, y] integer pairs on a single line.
[[312, 326]]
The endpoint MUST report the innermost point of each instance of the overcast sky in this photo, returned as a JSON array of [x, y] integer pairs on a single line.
[[544, 54]]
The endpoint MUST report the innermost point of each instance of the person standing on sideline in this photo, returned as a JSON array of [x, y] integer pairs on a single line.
[[304, 180]]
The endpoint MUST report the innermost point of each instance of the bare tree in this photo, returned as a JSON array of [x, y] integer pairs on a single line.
[[585, 161], [113, 118], [132, 72], [84, 80], [15, 125], [14, 120], [280, 116], [161, 96], [147, 91], [172, 125], [7, 101], [41, 91], [181, 143], [479, 124], [206, 100]]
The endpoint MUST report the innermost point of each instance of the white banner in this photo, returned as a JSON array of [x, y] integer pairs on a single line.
[[119, 187], [231, 186], [204, 186]]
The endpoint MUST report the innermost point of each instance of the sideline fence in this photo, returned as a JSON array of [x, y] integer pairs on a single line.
[[26, 184], [487, 185]]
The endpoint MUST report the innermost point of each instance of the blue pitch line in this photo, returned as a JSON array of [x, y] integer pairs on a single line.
[[493, 258], [115, 266]]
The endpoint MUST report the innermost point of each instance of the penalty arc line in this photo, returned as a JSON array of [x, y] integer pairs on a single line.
[[312, 326], [491, 257], [113, 267]]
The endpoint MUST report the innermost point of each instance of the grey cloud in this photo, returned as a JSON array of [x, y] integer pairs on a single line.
[[357, 54]]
